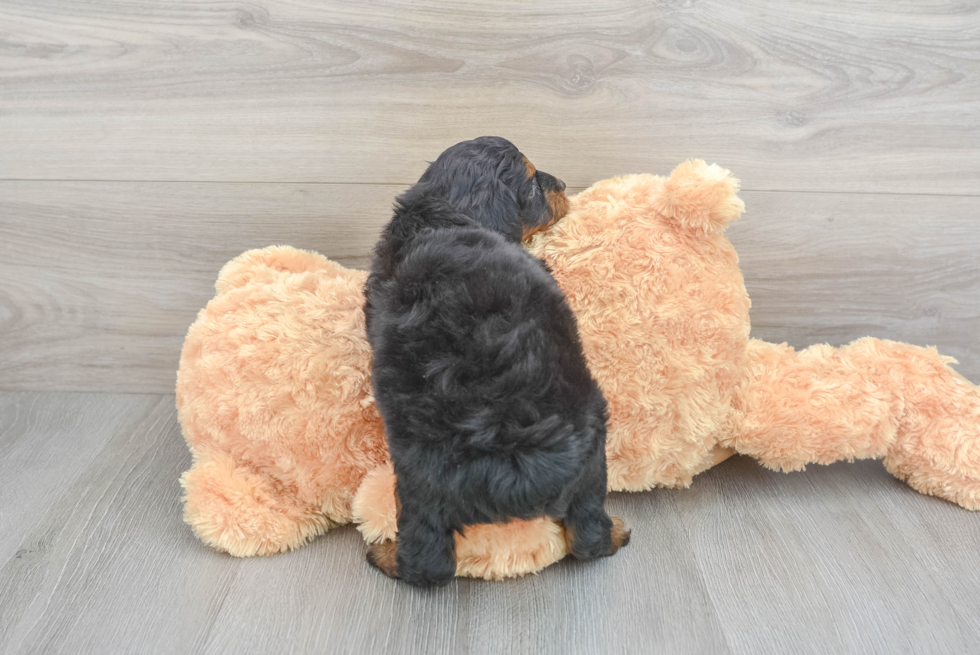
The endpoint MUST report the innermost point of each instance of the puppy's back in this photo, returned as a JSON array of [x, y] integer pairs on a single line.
[[468, 311], [478, 365]]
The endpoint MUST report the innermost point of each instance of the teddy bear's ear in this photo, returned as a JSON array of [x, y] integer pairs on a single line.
[[700, 197]]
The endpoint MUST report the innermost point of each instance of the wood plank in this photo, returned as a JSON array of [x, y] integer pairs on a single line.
[[831, 268], [824, 95], [46, 442], [101, 280], [842, 558], [645, 599], [808, 562], [109, 566]]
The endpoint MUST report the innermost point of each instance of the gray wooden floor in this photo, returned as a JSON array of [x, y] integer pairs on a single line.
[[95, 559]]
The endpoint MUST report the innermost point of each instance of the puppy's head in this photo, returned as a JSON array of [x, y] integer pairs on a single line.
[[489, 180]]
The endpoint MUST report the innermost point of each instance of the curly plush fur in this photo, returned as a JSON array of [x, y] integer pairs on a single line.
[[274, 397], [786, 408], [663, 314]]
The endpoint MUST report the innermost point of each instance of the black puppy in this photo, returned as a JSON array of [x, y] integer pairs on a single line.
[[489, 409]]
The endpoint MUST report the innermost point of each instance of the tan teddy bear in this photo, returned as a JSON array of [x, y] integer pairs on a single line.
[[274, 391]]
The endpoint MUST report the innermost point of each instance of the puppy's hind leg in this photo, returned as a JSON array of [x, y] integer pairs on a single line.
[[426, 546], [589, 532], [425, 550]]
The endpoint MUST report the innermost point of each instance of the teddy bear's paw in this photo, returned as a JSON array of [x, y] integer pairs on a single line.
[[937, 449], [374, 506], [700, 197], [383, 556], [238, 511], [934, 480], [936, 444], [620, 534]]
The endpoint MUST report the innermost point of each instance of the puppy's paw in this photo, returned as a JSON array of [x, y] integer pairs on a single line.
[[620, 534], [383, 556]]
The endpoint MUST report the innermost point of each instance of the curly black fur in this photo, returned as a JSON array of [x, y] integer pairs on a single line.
[[490, 411]]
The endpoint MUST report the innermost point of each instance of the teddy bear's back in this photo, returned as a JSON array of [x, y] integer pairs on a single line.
[[275, 374], [662, 312]]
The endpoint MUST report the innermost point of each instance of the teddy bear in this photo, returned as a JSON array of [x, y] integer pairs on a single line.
[[274, 392]]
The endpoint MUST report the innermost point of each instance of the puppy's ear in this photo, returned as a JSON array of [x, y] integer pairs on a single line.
[[490, 202]]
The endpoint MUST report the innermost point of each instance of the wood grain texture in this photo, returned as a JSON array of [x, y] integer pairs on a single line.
[[837, 554], [832, 268], [838, 559], [109, 566], [46, 442], [101, 280], [815, 95]]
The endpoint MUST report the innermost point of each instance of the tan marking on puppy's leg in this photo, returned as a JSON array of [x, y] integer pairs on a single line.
[[569, 538], [398, 502], [383, 556], [620, 534], [531, 170]]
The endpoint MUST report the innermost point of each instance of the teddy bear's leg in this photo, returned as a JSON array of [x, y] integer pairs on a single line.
[[870, 399], [235, 510], [937, 446]]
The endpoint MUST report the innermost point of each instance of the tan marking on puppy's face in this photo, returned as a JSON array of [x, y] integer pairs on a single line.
[[554, 195], [559, 204], [529, 232], [531, 170]]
